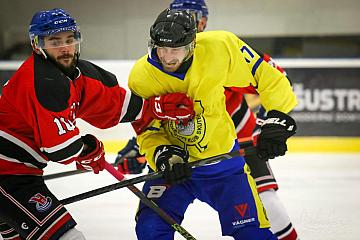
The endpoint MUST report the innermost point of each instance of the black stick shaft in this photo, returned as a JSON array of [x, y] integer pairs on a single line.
[[151, 204], [65, 174]]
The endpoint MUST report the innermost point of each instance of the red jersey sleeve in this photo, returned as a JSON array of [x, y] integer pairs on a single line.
[[103, 102]]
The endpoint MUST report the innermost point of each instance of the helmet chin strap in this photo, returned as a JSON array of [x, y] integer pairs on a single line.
[[43, 52], [191, 51], [77, 55], [35, 47]]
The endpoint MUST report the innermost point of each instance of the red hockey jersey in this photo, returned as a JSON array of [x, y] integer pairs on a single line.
[[38, 110]]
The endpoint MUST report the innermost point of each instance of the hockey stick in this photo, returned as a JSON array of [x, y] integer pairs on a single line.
[[151, 204], [68, 173], [154, 175], [245, 142], [64, 174]]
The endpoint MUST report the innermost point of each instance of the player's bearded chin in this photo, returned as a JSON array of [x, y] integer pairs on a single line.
[[68, 69], [170, 66]]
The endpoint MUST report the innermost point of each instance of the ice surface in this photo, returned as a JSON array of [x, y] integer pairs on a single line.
[[320, 191]]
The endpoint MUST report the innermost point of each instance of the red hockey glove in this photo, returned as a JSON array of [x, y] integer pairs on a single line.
[[172, 106], [129, 160], [93, 158]]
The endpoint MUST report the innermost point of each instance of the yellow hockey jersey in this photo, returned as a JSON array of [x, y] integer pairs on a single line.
[[220, 60]]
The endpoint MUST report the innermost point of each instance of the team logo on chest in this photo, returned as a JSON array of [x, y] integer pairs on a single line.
[[191, 134], [42, 203]]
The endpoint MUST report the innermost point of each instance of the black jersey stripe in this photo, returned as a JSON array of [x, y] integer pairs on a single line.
[[61, 215], [238, 115], [270, 180], [66, 152], [286, 229], [12, 150], [133, 109], [8, 232]]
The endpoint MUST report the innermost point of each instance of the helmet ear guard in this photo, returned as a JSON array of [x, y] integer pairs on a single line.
[[38, 41]]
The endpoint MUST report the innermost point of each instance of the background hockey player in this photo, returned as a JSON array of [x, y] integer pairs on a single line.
[[38, 108], [247, 128], [202, 66]]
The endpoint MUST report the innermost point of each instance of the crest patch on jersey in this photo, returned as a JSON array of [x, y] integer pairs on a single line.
[[191, 134], [42, 203]]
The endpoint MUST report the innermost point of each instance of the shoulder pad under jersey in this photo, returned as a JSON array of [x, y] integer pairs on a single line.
[[93, 71], [52, 87]]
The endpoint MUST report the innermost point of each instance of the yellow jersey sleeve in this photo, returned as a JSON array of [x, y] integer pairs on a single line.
[[248, 68], [150, 139]]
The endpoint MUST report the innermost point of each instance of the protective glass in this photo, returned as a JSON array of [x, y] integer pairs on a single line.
[[185, 51], [54, 42], [197, 15]]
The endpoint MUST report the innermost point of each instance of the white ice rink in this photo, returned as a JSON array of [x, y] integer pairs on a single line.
[[321, 193]]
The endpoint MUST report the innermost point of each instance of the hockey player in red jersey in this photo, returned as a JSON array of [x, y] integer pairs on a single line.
[[38, 110], [247, 128]]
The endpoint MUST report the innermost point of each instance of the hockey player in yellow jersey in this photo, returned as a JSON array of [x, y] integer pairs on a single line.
[[202, 65]]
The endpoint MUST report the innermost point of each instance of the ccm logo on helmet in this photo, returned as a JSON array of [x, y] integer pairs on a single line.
[[60, 21], [165, 40]]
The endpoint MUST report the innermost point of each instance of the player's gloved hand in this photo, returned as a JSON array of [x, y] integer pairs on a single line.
[[260, 117], [129, 160], [93, 155], [173, 161], [172, 106], [276, 129]]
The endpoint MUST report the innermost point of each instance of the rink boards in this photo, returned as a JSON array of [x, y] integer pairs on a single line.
[[327, 114]]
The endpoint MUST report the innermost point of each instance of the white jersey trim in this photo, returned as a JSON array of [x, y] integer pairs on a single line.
[[141, 111], [17, 161], [125, 105], [23, 145], [243, 121], [61, 145], [73, 156]]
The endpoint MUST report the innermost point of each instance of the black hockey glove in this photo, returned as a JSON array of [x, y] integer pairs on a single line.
[[173, 161], [276, 129]]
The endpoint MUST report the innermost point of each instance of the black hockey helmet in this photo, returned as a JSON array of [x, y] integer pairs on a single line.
[[173, 28]]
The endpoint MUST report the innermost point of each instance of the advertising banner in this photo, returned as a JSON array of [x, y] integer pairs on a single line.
[[328, 101]]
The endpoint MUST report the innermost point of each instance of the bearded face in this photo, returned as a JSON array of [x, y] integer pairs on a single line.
[[61, 49]]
